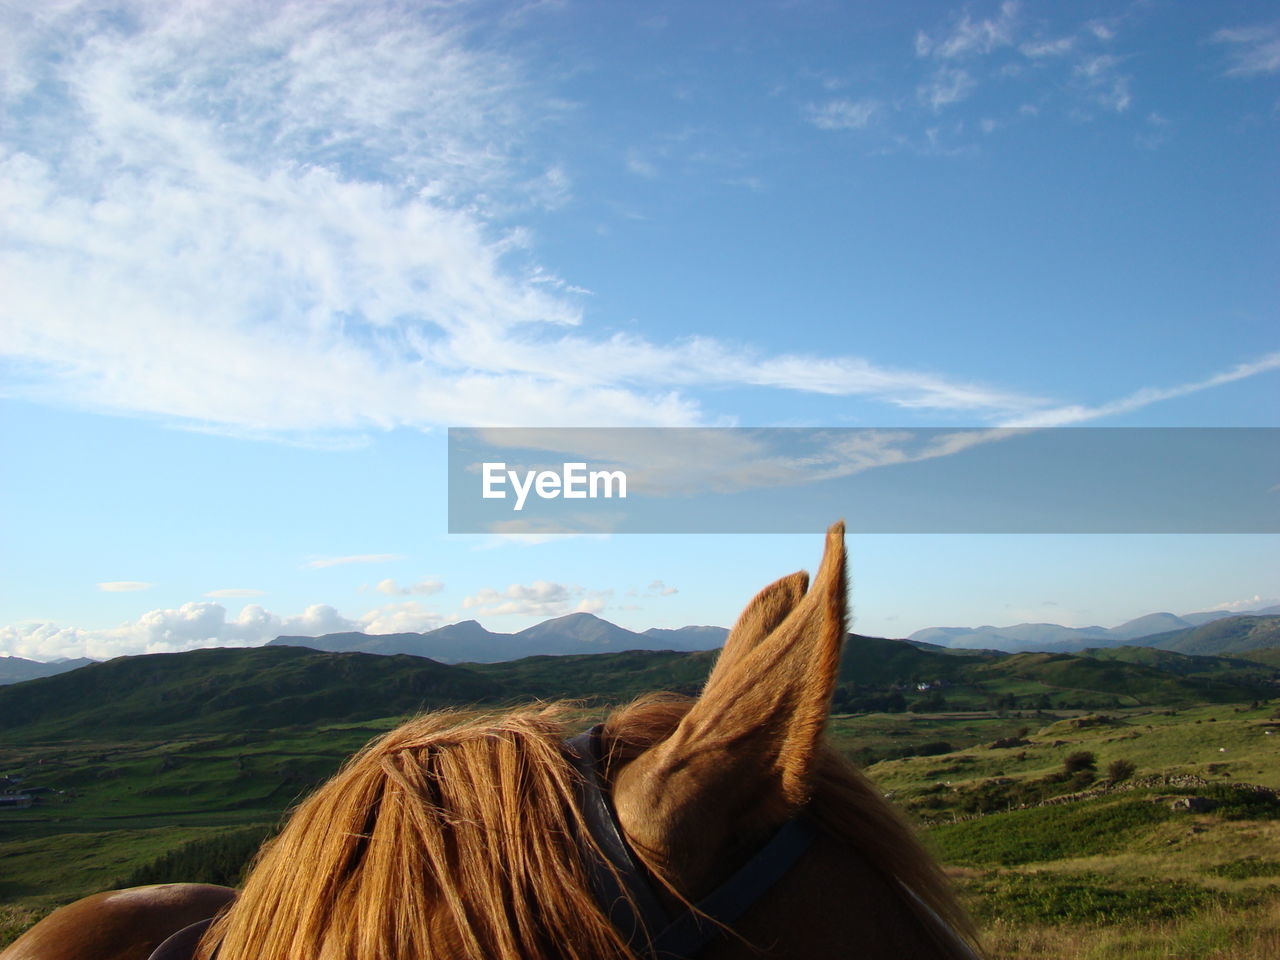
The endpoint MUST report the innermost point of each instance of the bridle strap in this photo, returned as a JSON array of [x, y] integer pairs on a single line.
[[622, 887], [182, 944], [692, 930], [617, 881]]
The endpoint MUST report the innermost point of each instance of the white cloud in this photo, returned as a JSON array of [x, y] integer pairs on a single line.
[[234, 592], [969, 37], [1079, 413], [947, 86], [277, 219], [1072, 73], [660, 589], [542, 598], [423, 587], [638, 164], [408, 617], [1100, 77], [203, 624], [1038, 49], [188, 627], [323, 562], [1238, 606], [1100, 30], [843, 114], [124, 586], [1254, 50]]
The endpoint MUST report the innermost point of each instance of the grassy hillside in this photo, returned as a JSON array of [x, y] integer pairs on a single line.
[[211, 691], [231, 689], [1129, 683], [600, 677], [1077, 865], [1227, 636], [1179, 664], [1269, 657], [1091, 863]]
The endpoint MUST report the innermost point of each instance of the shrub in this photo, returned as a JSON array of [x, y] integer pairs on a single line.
[[1080, 760], [1247, 868], [1096, 899], [1119, 770], [1082, 778], [1047, 833]]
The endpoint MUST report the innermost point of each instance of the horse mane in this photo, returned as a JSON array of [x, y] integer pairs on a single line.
[[457, 834], [453, 835]]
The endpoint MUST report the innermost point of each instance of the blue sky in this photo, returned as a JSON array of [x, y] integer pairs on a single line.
[[256, 257]]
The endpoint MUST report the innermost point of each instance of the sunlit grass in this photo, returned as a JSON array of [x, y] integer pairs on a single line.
[[1216, 933]]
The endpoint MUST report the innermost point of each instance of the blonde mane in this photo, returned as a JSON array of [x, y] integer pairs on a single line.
[[454, 835], [457, 835]]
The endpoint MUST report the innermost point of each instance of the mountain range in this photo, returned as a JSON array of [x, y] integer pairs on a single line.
[[1055, 638], [469, 641], [16, 669], [1207, 633]]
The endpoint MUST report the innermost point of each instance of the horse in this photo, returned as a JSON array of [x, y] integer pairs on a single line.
[[727, 819]]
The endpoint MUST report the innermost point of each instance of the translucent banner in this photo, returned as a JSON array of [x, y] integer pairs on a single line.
[[794, 480]]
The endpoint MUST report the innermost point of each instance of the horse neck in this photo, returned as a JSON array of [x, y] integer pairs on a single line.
[[836, 905]]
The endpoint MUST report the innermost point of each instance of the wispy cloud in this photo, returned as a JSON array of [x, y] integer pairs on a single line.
[[124, 586], [967, 37], [296, 219], [640, 165], [1253, 50], [945, 87], [1037, 49], [1101, 78], [423, 588], [969, 58], [843, 114], [323, 562], [1079, 413]]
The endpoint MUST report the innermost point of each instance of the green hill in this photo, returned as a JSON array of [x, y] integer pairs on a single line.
[[1179, 664], [1225, 636], [230, 690], [233, 689], [1267, 657], [605, 677], [876, 662], [1131, 684]]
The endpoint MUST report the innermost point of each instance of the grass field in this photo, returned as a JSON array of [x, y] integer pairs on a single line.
[[1070, 865], [1117, 873]]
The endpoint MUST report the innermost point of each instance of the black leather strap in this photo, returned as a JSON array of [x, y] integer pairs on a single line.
[[624, 893], [689, 933], [182, 945], [638, 914]]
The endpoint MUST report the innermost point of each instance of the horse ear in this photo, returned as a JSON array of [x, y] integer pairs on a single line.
[[742, 760], [763, 615]]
